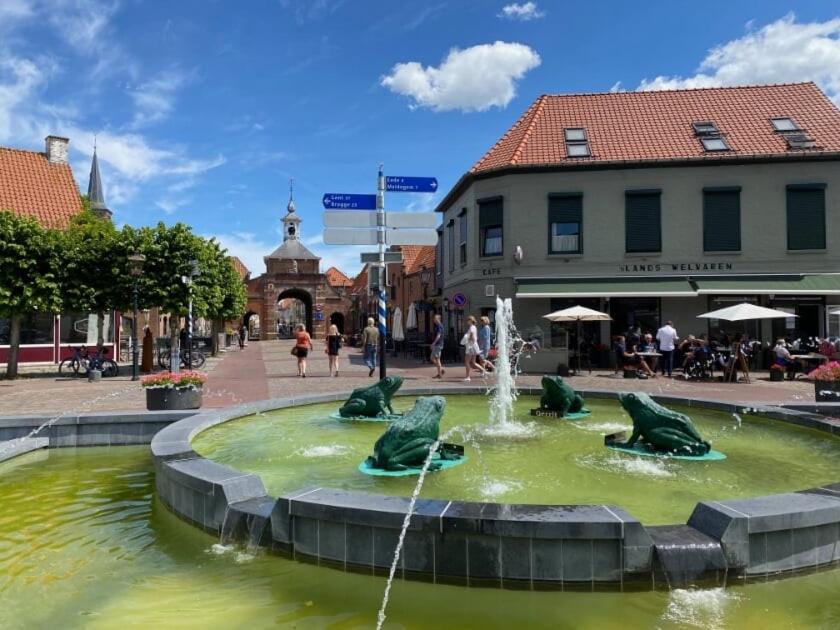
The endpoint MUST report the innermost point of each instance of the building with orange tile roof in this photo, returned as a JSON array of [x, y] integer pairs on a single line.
[[652, 206]]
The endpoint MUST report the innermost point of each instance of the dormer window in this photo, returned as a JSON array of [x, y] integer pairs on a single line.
[[710, 136], [798, 140], [784, 124], [577, 144]]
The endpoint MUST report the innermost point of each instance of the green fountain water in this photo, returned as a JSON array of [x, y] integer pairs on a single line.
[[84, 544], [552, 462]]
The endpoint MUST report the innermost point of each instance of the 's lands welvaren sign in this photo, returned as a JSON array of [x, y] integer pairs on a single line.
[[675, 267]]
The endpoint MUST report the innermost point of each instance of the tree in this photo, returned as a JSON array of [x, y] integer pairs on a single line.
[[28, 275]]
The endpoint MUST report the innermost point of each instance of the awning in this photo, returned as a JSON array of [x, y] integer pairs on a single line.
[[822, 284], [604, 287]]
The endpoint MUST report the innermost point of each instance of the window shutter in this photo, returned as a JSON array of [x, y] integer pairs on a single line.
[[490, 212], [642, 221], [806, 217], [722, 220]]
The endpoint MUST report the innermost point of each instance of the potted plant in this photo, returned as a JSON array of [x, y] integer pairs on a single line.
[[168, 391], [777, 372], [826, 382]]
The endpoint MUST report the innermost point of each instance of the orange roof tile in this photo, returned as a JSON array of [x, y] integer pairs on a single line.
[[656, 125], [337, 278], [360, 281], [241, 269], [425, 257], [31, 185]]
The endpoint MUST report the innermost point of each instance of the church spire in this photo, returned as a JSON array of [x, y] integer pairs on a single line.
[[291, 206], [291, 222], [95, 194]]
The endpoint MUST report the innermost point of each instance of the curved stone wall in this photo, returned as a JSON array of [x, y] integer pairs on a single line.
[[511, 546]]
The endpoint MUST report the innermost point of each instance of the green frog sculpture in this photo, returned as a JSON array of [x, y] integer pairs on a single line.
[[406, 442], [559, 399], [372, 401], [661, 428]]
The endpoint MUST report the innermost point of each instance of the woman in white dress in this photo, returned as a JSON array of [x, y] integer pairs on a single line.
[[471, 349]]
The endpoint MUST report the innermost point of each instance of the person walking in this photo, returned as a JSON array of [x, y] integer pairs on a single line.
[[667, 338], [333, 344], [471, 349], [370, 344], [303, 344], [485, 344], [243, 332], [436, 350]]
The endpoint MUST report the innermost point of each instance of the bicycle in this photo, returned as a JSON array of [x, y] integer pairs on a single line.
[[198, 358], [79, 361], [99, 361]]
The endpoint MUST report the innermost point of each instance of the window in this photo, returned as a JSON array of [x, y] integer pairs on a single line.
[[714, 144], [439, 252], [81, 328], [450, 243], [35, 328], [806, 216], [710, 136], [564, 223], [798, 140], [577, 144], [784, 124], [722, 219], [642, 221], [705, 128], [462, 233], [490, 215]]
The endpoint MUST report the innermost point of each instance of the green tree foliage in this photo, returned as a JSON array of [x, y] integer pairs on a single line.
[[28, 278]]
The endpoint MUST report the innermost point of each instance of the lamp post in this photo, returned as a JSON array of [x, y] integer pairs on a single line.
[[188, 280], [135, 262]]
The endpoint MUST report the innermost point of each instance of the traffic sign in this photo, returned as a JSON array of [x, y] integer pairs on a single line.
[[459, 300], [411, 220], [411, 184], [373, 257], [411, 237], [350, 236], [346, 201], [350, 218]]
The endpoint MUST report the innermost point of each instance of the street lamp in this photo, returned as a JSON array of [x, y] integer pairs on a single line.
[[135, 268], [188, 280]]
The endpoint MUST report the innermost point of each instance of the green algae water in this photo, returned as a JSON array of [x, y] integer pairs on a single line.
[[551, 462], [84, 544]]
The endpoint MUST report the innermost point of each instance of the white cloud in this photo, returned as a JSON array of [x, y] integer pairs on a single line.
[[781, 52], [170, 206], [248, 247], [473, 79], [154, 99], [12, 9], [523, 12]]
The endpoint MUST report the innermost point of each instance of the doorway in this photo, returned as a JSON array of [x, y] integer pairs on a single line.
[[294, 306], [337, 319]]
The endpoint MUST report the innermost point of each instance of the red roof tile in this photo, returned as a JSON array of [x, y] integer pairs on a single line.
[[360, 281], [31, 185], [337, 278], [425, 257], [642, 126], [241, 269]]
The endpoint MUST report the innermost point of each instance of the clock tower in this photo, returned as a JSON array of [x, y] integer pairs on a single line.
[[291, 222]]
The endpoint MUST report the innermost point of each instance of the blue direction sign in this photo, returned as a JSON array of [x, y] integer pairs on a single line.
[[344, 201], [411, 184]]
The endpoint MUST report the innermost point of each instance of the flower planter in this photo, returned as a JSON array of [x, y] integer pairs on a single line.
[[173, 398], [827, 391], [777, 375]]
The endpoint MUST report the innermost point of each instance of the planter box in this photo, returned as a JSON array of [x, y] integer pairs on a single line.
[[827, 391], [172, 399], [777, 375]]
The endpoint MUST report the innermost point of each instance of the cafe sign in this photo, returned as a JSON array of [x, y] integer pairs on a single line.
[[675, 267]]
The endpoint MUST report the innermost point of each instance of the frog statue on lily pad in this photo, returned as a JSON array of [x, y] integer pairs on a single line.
[[559, 397], [406, 442], [372, 401], [661, 428]]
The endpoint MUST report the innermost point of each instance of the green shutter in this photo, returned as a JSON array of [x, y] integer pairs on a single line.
[[642, 221], [565, 208], [722, 220], [806, 217], [490, 212]]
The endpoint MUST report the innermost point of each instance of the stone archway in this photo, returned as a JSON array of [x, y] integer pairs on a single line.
[[287, 328], [337, 318]]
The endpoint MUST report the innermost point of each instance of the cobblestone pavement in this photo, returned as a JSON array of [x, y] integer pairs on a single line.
[[267, 370]]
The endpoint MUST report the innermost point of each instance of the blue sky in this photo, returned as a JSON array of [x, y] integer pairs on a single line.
[[205, 109]]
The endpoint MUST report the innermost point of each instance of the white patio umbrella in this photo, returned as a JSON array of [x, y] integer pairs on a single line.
[[411, 318], [578, 314], [744, 311], [836, 311], [398, 334]]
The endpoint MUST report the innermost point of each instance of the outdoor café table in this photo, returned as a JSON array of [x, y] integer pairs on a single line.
[[652, 356], [806, 359]]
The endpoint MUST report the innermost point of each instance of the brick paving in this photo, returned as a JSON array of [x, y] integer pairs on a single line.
[[267, 370]]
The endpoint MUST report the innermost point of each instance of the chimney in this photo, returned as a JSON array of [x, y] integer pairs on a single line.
[[57, 149]]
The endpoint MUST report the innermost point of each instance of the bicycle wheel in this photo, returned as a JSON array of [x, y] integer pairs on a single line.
[[68, 367], [110, 368], [198, 359]]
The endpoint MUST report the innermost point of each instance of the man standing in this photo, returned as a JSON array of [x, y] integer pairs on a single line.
[[437, 347], [667, 338], [370, 342]]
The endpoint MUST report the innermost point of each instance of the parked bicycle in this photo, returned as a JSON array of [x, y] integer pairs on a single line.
[[82, 362], [198, 358]]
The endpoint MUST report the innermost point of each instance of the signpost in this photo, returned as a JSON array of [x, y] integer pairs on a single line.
[[359, 227]]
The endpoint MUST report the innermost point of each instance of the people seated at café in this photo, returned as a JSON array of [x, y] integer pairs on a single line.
[[784, 358], [629, 360]]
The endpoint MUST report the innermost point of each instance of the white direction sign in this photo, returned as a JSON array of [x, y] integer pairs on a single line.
[[349, 219], [410, 237], [350, 236], [373, 257], [411, 220]]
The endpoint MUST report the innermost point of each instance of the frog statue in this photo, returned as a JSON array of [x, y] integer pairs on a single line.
[[558, 396], [372, 401], [406, 442], [661, 428]]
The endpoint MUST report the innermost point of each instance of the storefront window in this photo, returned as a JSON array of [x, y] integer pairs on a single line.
[[591, 331], [80, 328], [808, 311], [627, 313], [723, 331], [35, 328]]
